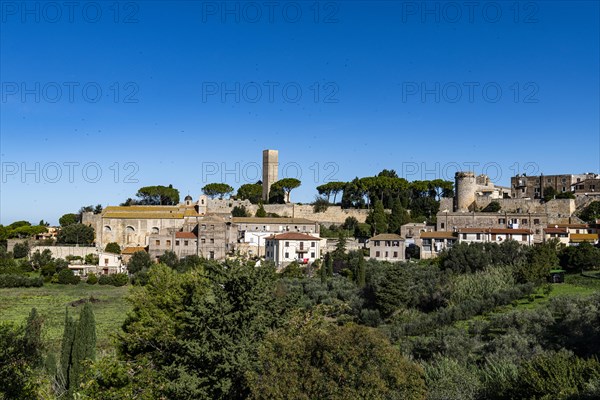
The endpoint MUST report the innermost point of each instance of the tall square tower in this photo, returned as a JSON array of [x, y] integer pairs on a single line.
[[270, 171]]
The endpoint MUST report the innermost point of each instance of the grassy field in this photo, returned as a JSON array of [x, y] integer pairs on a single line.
[[52, 300]]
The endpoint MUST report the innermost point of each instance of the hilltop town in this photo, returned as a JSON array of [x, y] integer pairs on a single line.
[[390, 218]]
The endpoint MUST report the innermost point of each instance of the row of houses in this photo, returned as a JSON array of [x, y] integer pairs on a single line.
[[391, 247]]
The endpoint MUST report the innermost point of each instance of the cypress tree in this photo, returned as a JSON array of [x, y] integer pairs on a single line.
[[33, 345], [84, 345], [323, 271], [329, 264], [379, 219], [361, 275], [65, 352], [398, 217]]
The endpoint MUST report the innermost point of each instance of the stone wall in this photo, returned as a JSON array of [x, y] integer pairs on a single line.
[[64, 251], [333, 215], [555, 208]]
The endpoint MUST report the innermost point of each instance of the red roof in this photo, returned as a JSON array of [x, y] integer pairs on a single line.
[[555, 230], [185, 235], [496, 231], [292, 236]]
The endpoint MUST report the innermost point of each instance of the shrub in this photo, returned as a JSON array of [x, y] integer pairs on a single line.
[[120, 279], [114, 279], [21, 250], [67, 277], [15, 280], [494, 206], [92, 279], [113, 247], [320, 204]]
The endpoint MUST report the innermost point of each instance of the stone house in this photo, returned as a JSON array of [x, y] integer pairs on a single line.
[[387, 247], [432, 243]]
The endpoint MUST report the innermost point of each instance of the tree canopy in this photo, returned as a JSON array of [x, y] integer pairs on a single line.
[[157, 195], [213, 190]]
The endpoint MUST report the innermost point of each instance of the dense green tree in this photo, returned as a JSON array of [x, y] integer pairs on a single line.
[[240, 211], [170, 259], [378, 219], [84, 346], [113, 247], [66, 352], [261, 213], [41, 259], [251, 192], [158, 195], [331, 188], [552, 376], [311, 359], [21, 250], [220, 190], [78, 346], [284, 186], [76, 234], [398, 217], [139, 261], [200, 331], [549, 193], [68, 219], [361, 272], [20, 357], [591, 212], [581, 257]]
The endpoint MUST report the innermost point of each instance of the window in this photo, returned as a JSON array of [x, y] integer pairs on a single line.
[[501, 221], [524, 238], [287, 255], [155, 230], [107, 229], [386, 254], [536, 221], [287, 244], [203, 240], [212, 240], [377, 243], [106, 261], [313, 244], [185, 242], [395, 254], [464, 236], [524, 221], [564, 189], [479, 236], [212, 255], [130, 229], [177, 243], [387, 243], [168, 242], [157, 243], [203, 226], [377, 254], [312, 255], [442, 226]]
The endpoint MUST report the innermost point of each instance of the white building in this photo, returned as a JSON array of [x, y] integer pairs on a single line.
[[253, 231], [288, 247], [387, 247], [496, 235]]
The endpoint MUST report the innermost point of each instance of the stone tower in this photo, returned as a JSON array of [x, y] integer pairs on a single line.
[[465, 186], [270, 171]]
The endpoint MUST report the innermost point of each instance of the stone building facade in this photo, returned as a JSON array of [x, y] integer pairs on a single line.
[[532, 187]]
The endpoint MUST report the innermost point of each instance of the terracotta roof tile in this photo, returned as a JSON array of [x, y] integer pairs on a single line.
[[387, 236], [293, 236]]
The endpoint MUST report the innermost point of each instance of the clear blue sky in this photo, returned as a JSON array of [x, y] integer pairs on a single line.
[[379, 85]]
